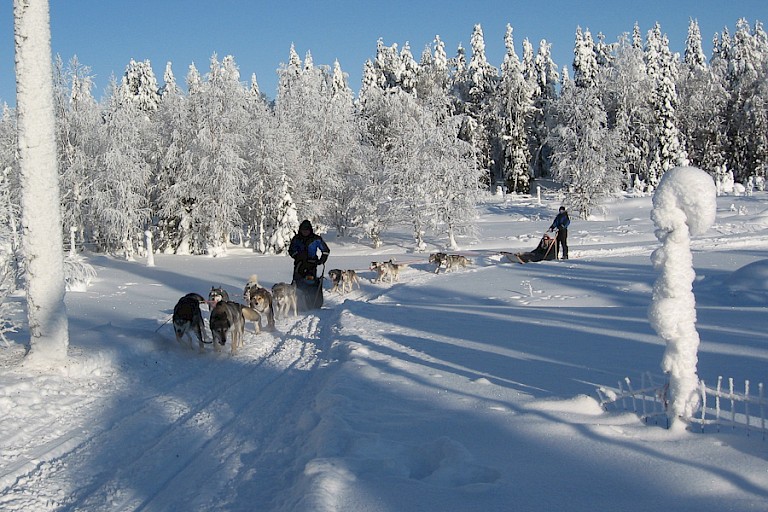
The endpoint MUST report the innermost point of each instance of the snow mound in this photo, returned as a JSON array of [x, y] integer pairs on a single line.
[[752, 278], [581, 404]]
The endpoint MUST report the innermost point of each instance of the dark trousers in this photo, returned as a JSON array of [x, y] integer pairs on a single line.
[[562, 241]]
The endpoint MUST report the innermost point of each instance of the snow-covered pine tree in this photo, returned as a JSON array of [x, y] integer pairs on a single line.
[[480, 122], [515, 105], [433, 83], [287, 221], [626, 88], [702, 101], [409, 69], [747, 67], [119, 187], [667, 149], [174, 194], [545, 77], [301, 108], [215, 159], [41, 218], [139, 86], [584, 60], [345, 166]]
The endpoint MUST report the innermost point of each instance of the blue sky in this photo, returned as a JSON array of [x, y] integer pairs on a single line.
[[106, 34]]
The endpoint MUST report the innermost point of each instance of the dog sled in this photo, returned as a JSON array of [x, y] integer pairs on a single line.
[[545, 251], [309, 287]]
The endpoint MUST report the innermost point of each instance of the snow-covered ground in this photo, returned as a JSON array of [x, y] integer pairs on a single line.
[[467, 391]]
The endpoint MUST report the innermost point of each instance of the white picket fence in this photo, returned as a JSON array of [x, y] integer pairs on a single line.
[[722, 406]]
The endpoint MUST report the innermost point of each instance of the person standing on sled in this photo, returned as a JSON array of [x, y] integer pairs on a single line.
[[561, 223], [308, 250]]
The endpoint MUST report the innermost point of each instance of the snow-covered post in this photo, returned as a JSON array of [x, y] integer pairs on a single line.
[[538, 194], [72, 250], [683, 205], [150, 249], [42, 241]]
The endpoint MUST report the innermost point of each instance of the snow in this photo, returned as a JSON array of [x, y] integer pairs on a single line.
[[468, 390], [683, 205]]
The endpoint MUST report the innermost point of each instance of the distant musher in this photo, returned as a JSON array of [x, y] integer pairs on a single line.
[[561, 223]]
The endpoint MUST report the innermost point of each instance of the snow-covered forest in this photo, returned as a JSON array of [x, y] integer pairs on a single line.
[[216, 162]]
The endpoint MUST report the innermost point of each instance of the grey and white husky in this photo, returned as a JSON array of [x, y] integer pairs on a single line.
[[227, 318], [187, 317], [387, 269], [450, 261], [284, 299]]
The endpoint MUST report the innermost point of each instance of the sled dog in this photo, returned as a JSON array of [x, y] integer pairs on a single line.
[[251, 315], [259, 299], [215, 295], [386, 269], [343, 280], [227, 317], [187, 316], [450, 261], [284, 299]]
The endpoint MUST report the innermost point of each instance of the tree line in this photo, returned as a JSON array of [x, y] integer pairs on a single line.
[[220, 163]]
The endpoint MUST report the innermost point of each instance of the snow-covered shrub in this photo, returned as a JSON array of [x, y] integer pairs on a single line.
[[78, 273]]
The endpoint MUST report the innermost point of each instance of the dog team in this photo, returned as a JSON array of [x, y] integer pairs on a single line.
[[229, 317]]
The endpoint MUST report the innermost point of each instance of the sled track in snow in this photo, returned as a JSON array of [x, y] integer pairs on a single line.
[[199, 425]]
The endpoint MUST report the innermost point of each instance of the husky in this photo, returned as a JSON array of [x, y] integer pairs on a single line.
[[450, 261], [284, 299], [227, 317], [251, 315], [387, 269], [215, 295], [343, 280], [186, 316], [259, 299]]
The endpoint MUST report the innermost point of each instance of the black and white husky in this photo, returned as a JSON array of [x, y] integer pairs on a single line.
[[227, 318], [215, 295], [187, 316], [343, 280]]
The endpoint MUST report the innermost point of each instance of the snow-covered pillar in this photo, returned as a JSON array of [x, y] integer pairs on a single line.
[[150, 249], [42, 241], [538, 194], [72, 249], [683, 205]]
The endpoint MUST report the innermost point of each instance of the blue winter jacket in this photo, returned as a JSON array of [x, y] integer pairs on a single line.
[[561, 221]]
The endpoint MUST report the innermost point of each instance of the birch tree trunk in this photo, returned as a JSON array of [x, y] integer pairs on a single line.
[[42, 239]]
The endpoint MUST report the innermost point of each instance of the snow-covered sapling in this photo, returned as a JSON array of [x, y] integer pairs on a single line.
[[683, 205]]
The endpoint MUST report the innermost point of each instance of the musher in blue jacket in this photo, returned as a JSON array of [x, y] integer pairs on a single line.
[[561, 223], [308, 250]]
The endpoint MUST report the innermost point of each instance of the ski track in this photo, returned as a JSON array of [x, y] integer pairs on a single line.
[[201, 426]]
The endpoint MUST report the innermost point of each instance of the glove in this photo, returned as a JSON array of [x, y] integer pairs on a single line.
[[323, 259]]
